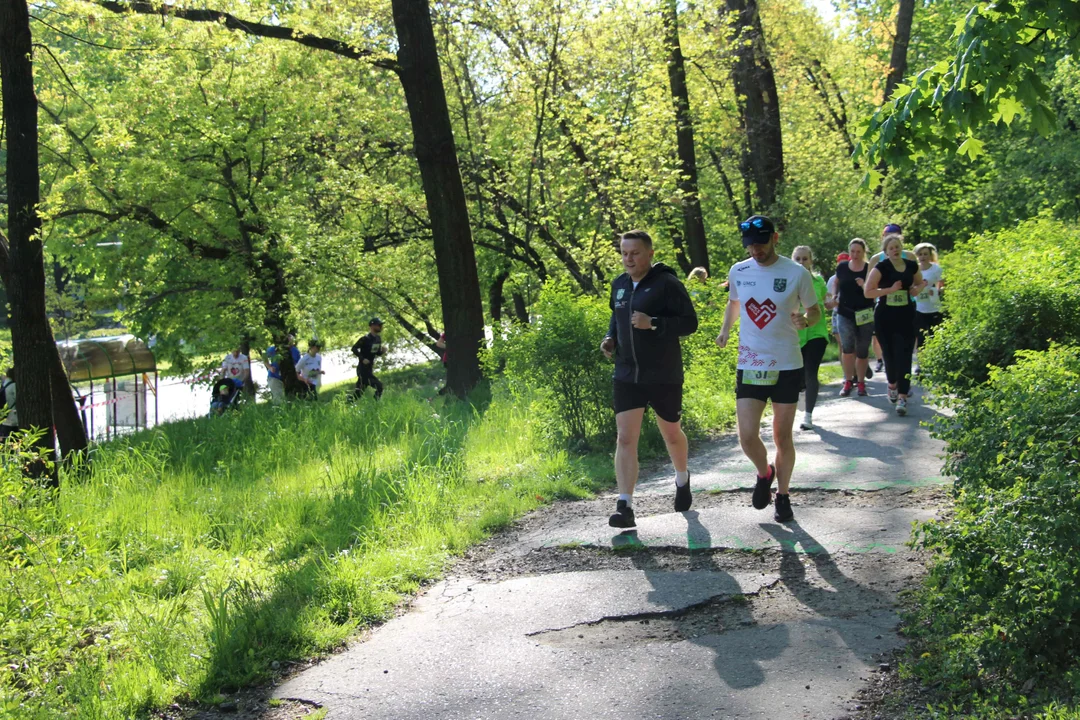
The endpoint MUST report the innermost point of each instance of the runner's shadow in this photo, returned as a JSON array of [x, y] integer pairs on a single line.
[[738, 661], [845, 598]]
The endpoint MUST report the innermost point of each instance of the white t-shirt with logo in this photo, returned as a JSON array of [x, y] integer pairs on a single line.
[[768, 295], [929, 300], [234, 367]]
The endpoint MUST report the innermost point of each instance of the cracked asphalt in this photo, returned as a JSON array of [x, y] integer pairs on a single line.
[[717, 612]]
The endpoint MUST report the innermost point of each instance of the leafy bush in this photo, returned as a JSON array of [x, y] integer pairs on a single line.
[[1005, 292], [558, 360], [1000, 601]]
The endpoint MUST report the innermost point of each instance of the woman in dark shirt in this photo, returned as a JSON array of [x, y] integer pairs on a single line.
[[856, 323], [894, 283]]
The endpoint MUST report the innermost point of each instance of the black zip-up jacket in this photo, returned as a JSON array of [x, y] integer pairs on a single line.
[[650, 356]]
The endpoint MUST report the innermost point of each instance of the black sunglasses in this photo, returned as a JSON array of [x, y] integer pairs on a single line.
[[758, 223]]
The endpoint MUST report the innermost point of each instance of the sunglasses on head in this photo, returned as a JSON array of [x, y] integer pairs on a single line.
[[758, 223]]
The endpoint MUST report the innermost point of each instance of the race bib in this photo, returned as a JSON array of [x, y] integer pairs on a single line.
[[864, 317], [928, 293], [760, 377], [900, 298]]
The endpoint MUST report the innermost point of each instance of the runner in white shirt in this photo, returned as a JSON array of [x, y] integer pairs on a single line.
[[928, 303], [765, 293], [236, 367], [309, 368]]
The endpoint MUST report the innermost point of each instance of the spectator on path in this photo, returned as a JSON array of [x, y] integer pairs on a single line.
[[7, 405], [367, 349], [309, 368], [236, 367], [274, 381]]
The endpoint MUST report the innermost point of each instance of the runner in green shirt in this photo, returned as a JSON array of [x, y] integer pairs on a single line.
[[813, 339]]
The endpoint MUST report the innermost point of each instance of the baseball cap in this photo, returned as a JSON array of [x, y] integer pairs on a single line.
[[375, 321], [842, 257], [756, 229]]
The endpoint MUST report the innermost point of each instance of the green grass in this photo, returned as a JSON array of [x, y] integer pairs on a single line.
[[189, 558]]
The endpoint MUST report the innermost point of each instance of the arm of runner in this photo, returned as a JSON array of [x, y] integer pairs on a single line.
[[731, 314], [917, 284], [356, 346], [871, 289], [831, 302], [809, 299], [683, 319]]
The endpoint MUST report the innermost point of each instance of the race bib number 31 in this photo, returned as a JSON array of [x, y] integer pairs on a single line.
[[760, 377], [900, 298], [864, 317]]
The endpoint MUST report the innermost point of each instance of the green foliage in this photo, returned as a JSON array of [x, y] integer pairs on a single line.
[[1007, 291], [993, 75], [999, 605], [189, 558], [557, 360]]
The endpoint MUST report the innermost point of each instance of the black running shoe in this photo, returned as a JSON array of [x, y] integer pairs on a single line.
[[783, 508], [763, 490], [869, 372], [683, 498], [623, 516], [880, 366]]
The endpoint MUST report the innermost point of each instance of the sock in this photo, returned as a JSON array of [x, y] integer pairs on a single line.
[[808, 418], [628, 498], [682, 477]]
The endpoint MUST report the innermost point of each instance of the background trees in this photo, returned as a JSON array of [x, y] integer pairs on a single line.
[[234, 170]]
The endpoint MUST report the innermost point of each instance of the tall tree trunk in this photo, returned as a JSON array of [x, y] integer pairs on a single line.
[[69, 428], [693, 221], [905, 15], [521, 310], [495, 296], [759, 103], [433, 138], [31, 338], [70, 432]]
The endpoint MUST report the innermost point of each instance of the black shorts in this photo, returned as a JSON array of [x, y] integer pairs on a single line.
[[785, 391], [665, 398], [925, 324]]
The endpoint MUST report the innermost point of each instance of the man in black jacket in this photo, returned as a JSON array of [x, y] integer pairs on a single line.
[[366, 349], [650, 311]]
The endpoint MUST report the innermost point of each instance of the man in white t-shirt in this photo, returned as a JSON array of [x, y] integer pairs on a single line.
[[236, 367], [766, 293]]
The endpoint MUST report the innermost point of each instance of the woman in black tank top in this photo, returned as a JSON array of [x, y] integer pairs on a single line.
[[894, 283]]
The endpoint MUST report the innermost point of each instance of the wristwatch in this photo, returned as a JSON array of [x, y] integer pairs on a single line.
[[652, 323]]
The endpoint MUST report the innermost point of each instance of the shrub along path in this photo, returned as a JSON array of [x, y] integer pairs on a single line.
[[718, 612]]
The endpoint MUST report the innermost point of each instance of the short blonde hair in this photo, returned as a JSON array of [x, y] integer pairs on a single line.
[[698, 273], [927, 246]]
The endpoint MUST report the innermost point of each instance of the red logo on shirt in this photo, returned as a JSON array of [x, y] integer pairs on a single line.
[[761, 313]]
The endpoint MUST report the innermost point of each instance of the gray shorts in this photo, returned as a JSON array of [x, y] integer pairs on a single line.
[[836, 323], [855, 338]]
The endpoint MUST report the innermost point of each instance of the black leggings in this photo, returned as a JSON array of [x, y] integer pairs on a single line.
[[897, 337], [812, 353], [365, 380]]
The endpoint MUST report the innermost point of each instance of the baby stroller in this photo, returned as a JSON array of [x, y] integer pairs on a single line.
[[223, 395]]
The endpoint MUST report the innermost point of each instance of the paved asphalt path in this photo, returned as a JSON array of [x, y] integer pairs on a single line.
[[548, 646]]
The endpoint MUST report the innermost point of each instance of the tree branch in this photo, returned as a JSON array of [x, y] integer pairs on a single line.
[[230, 21]]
